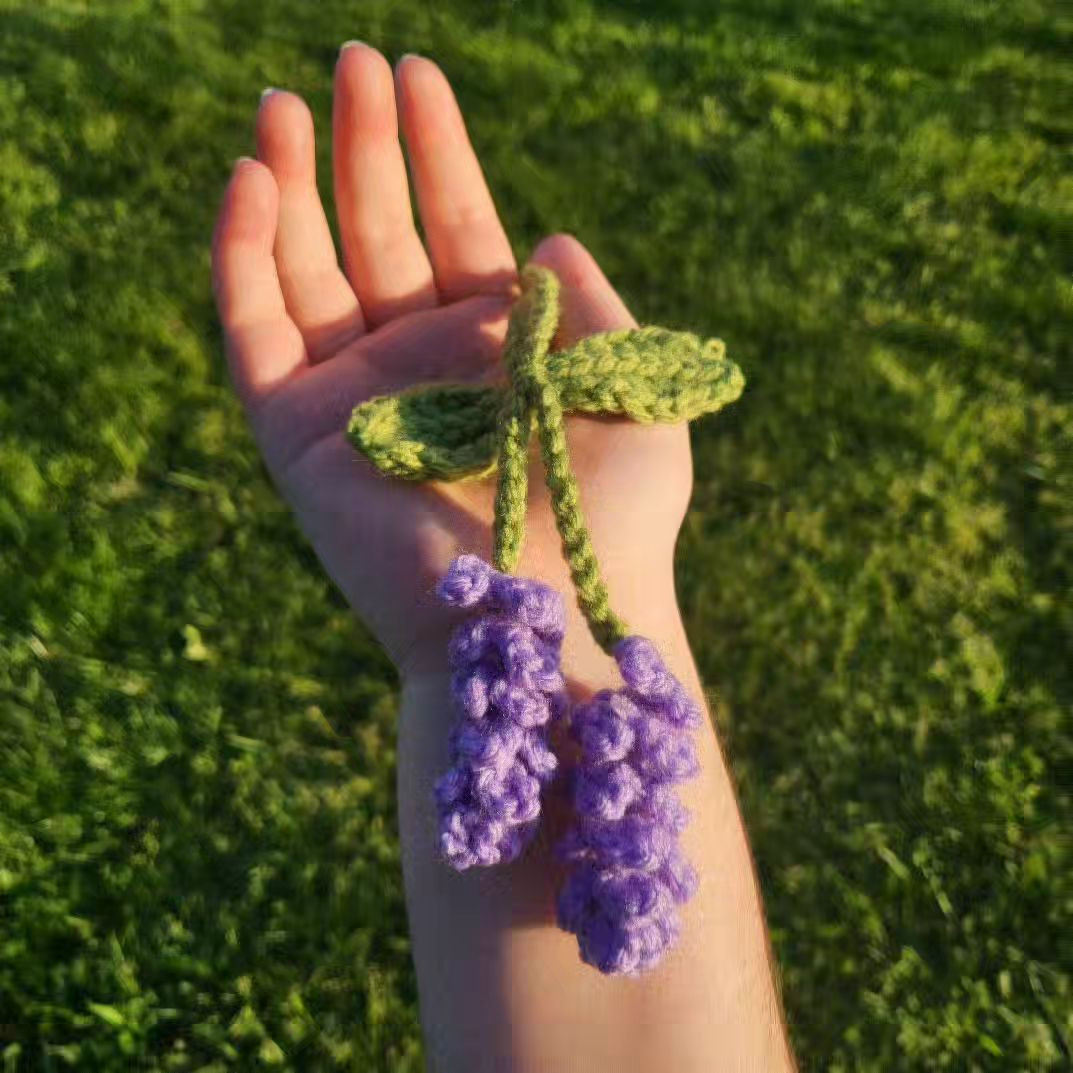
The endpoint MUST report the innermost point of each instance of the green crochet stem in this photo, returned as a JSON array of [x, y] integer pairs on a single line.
[[534, 396], [529, 334], [459, 431]]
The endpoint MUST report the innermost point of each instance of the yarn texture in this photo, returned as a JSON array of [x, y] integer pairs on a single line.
[[507, 687], [448, 431], [628, 876]]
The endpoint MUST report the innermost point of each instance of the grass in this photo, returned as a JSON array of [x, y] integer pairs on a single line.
[[871, 201]]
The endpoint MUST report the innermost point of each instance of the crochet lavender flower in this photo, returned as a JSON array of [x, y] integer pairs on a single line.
[[507, 687], [628, 875]]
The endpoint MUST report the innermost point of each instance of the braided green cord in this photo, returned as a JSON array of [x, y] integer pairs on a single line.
[[529, 334], [512, 489], [449, 431], [578, 551], [456, 431]]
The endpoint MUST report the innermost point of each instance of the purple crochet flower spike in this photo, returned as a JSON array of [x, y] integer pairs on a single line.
[[507, 687], [629, 875]]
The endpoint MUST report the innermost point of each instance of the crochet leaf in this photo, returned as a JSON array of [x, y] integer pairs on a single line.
[[448, 431], [441, 432], [646, 374]]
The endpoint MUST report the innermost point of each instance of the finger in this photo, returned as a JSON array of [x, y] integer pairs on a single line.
[[588, 302], [466, 242], [384, 258], [318, 296], [264, 346]]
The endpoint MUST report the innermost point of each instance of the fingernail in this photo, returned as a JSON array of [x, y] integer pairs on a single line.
[[239, 160], [351, 44], [268, 91], [407, 56]]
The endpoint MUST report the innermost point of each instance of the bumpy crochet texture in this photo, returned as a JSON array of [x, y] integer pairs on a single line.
[[507, 687], [448, 431], [628, 875]]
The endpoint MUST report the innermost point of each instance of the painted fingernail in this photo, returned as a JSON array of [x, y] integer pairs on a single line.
[[268, 91]]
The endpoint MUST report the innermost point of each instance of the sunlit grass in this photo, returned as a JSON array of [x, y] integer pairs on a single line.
[[870, 202]]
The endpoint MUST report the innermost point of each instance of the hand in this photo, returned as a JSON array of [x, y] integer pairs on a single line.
[[307, 340]]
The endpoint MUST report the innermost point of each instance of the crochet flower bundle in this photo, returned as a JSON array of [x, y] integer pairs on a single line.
[[507, 688], [627, 874]]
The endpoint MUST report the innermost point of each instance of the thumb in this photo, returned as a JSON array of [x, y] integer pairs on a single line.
[[588, 303]]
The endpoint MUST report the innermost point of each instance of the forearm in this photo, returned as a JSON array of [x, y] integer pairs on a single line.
[[502, 988]]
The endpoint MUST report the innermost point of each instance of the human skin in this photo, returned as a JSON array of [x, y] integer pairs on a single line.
[[501, 987]]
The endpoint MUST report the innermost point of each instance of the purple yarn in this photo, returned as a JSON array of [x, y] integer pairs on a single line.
[[507, 687], [629, 875]]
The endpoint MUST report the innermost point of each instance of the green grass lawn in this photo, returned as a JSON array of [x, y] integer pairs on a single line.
[[870, 200]]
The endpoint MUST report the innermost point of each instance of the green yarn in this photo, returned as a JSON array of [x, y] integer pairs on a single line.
[[529, 335], [591, 591], [458, 431], [447, 432]]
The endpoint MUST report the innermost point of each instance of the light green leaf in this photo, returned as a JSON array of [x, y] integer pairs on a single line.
[[448, 431], [439, 432], [646, 374], [109, 1014]]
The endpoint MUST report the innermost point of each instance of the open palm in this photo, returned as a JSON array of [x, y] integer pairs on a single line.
[[307, 340]]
